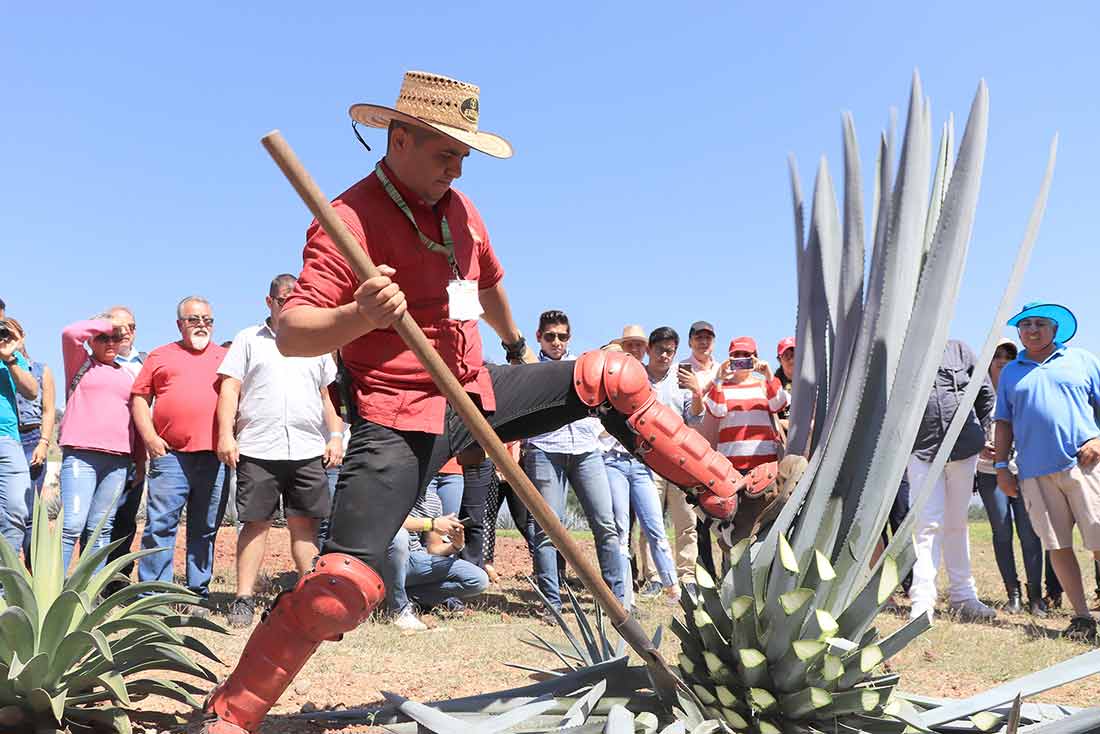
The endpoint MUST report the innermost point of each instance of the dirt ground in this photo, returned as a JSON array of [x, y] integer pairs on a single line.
[[468, 654]]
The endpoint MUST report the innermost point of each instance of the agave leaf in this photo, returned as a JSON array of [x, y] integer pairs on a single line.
[[1086, 721], [578, 713], [29, 676], [67, 609], [902, 637], [582, 652], [72, 649], [926, 334], [43, 702], [850, 305], [1027, 686], [9, 558], [198, 646], [712, 603], [16, 633], [744, 622], [46, 556], [802, 389], [105, 574], [590, 641], [804, 703], [563, 655], [114, 718], [899, 544], [18, 593], [825, 225], [752, 665], [176, 621], [141, 622], [791, 671], [100, 614], [89, 563], [167, 688]]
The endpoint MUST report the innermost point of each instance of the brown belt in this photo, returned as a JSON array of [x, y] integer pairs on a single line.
[[28, 429]]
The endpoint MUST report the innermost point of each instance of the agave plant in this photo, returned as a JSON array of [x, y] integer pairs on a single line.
[[65, 650]]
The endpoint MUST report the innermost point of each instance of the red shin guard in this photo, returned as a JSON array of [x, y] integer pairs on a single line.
[[334, 598]]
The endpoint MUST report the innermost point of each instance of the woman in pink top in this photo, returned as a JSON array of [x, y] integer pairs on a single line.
[[96, 433]]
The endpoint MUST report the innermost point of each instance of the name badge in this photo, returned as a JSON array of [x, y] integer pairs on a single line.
[[462, 300]]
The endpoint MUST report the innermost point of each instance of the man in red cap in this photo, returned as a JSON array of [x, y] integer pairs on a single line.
[[744, 399]]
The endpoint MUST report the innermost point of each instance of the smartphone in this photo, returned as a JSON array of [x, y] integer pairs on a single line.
[[741, 363], [466, 521]]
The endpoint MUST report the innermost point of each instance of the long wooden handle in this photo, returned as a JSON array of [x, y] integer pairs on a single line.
[[449, 385]]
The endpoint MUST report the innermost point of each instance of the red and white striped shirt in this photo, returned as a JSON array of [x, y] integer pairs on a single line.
[[746, 433]]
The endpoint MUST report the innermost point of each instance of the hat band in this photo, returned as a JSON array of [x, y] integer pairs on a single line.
[[456, 113]]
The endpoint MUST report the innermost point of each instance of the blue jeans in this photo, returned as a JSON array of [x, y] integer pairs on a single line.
[[1003, 511], [38, 479], [426, 579], [332, 473], [588, 477], [632, 487], [15, 478], [91, 483], [449, 488], [195, 479]]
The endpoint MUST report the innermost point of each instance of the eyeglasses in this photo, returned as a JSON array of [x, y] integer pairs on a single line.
[[198, 320], [553, 336], [1035, 324], [108, 338]]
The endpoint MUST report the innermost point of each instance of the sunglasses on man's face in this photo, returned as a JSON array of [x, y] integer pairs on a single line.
[[198, 320], [552, 336]]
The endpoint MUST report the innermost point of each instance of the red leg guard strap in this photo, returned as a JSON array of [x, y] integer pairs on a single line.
[[335, 597]]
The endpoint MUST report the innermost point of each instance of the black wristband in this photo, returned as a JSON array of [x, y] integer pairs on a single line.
[[515, 350]]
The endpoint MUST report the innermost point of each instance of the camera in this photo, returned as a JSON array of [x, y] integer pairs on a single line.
[[741, 363]]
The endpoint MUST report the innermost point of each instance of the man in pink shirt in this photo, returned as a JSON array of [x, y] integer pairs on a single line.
[[182, 379]]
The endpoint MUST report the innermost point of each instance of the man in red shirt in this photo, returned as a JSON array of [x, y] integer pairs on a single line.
[[182, 379], [436, 262]]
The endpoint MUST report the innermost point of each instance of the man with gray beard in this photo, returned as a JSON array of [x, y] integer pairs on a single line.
[[181, 379]]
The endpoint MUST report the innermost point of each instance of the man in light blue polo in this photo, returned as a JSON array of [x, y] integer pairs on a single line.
[[1047, 401]]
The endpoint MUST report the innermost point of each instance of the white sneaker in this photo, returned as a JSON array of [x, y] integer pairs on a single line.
[[407, 621], [971, 610]]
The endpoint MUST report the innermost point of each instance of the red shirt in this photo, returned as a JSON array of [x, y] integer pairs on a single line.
[[184, 385], [746, 433], [392, 388]]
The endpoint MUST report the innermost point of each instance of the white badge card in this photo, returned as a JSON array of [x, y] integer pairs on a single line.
[[462, 300]]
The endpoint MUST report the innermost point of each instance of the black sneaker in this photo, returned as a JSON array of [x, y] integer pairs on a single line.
[[241, 611], [1081, 629]]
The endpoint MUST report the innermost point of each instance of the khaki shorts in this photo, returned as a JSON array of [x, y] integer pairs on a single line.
[[1056, 502]]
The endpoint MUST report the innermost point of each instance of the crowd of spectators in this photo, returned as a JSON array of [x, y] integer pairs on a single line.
[[172, 425]]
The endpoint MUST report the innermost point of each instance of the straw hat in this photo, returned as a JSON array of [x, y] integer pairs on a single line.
[[447, 105], [633, 332]]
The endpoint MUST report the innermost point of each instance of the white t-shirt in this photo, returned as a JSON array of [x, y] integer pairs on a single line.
[[279, 416]]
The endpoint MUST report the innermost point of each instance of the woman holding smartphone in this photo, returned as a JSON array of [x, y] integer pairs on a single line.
[[744, 399]]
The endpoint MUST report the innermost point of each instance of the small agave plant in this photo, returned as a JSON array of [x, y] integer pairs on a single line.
[[70, 658]]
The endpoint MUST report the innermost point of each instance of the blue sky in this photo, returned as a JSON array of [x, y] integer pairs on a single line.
[[649, 183]]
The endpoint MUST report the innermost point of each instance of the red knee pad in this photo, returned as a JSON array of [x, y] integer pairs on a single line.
[[335, 597], [612, 377], [720, 508]]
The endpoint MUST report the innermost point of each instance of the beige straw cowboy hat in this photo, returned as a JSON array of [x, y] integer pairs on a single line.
[[438, 102], [633, 332]]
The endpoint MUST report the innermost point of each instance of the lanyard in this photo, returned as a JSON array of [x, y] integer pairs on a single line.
[[446, 248]]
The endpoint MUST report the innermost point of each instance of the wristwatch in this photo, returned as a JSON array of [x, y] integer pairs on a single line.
[[516, 350]]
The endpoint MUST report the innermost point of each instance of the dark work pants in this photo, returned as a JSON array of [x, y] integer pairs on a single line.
[[385, 470]]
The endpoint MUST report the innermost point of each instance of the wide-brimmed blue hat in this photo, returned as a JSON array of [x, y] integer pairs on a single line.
[[1062, 316]]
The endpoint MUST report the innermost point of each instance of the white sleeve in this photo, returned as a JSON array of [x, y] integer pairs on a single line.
[[235, 363], [328, 370]]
